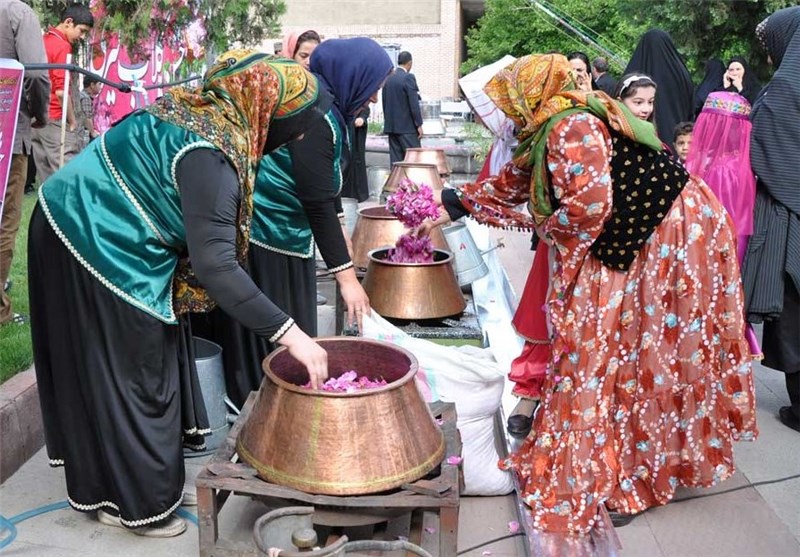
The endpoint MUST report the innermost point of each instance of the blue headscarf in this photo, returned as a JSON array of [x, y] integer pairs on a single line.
[[352, 70]]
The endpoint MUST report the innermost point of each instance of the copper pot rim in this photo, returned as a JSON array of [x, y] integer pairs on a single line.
[[407, 164], [376, 212], [420, 149], [449, 258], [409, 375]]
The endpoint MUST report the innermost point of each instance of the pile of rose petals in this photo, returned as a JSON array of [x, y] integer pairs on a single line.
[[411, 249], [349, 382], [412, 203]]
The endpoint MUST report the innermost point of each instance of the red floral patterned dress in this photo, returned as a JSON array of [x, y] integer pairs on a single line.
[[650, 379]]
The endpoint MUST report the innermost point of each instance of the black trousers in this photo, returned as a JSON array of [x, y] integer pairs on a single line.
[[399, 142]]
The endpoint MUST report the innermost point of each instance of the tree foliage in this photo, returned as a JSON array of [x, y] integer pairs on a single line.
[[139, 22], [701, 29], [517, 27], [709, 28]]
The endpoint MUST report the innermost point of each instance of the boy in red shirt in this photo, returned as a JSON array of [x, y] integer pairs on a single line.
[[76, 22]]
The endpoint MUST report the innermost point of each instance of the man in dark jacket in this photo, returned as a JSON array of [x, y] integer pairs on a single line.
[[604, 80], [401, 113]]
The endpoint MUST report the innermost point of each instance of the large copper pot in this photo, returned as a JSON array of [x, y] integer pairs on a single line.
[[341, 443], [428, 155], [416, 172], [413, 290], [377, 228]]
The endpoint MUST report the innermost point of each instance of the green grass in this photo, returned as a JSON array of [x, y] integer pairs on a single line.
[[16, 353]]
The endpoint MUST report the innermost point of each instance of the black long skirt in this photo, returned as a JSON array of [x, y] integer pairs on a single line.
[[291, 283], [118, 388], [356, 184]]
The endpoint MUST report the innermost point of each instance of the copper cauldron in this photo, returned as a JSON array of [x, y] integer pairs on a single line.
[[341, 443], [428, 155], [416, 172], [378, 228], [413, 290]]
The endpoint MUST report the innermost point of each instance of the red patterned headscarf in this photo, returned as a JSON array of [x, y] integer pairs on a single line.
[[538, 91]]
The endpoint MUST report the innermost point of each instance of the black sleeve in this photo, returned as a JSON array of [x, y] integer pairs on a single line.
[[412, 91], [452, 204], [364, 113], [313, 166], [209, 190]]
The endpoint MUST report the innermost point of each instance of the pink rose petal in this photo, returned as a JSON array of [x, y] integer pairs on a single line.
[[349, 382], [454, 460], [513, 526], [486, 553], [430, 530]]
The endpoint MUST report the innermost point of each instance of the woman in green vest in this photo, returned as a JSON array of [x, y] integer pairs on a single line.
[[296, 203], [148, 223]]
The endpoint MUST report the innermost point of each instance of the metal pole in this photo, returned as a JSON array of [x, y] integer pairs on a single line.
[[562, 21], [64, 108]]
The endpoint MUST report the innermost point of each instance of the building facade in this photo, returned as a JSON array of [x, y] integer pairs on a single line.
[[432, 30]]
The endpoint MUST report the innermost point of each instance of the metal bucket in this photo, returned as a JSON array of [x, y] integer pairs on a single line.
[[211, 374], [469, 264], [350, 208], [376, 178]]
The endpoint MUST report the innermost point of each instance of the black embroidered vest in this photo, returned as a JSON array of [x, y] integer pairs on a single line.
[[645, 183]]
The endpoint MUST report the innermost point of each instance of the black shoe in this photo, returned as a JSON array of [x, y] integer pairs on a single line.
[[619, 520], [7, 285], [788, 418], [519, 425]]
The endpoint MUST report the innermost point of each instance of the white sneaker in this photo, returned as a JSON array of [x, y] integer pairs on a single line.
[[168, 528], [189, 499]]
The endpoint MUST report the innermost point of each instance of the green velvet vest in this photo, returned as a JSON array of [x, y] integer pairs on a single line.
[[279, 222], [116, 206]]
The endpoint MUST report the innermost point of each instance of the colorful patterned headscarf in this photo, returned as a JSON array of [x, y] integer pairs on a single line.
[[536, 92], [241, 94]]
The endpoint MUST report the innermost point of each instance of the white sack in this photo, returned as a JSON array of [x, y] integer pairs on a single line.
[[469, 377]]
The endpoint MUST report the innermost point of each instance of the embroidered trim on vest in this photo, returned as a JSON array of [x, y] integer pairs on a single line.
[[282, 331], [308, 255], [337, 164], [55, 462], [173, 168], [342, 267], [170, 318], [128, 193]]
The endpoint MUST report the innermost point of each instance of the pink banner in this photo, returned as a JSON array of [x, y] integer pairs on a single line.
[[162, 64], [11, 73]]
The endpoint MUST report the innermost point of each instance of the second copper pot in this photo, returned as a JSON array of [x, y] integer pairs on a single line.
[[428, 155], [416, 172], [377, 228], [413, 290]]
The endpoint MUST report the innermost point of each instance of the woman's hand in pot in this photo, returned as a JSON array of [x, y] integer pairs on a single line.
[[308, 352]]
